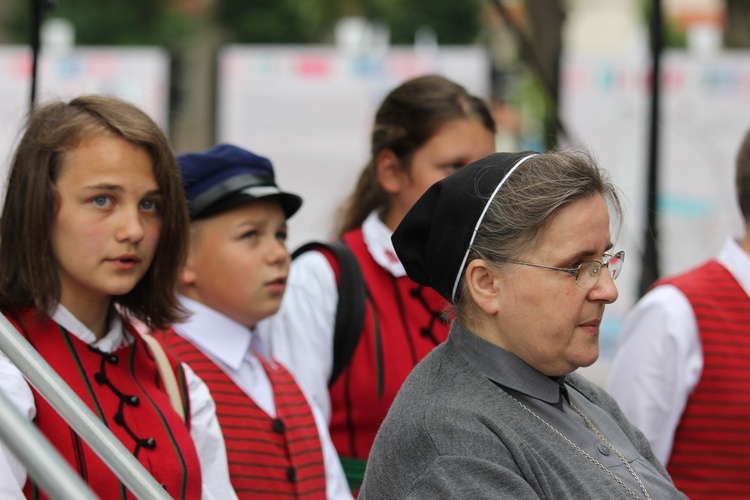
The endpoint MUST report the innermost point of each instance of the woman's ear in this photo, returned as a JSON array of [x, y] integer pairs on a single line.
[[481, 282], [389, 171]]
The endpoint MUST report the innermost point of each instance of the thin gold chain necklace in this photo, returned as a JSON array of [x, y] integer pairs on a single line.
[[592, 459]]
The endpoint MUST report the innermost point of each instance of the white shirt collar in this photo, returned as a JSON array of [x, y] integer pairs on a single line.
[[737, 262], [377, 238], [217, 335], [115, 338]]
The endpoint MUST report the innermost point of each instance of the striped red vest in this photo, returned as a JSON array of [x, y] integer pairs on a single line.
[[403, 323], [142, 419], [711, 454], [268, 457]]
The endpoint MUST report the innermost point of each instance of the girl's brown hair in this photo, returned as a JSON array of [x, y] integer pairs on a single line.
[[28, 270], [742, 177], [407, 118]]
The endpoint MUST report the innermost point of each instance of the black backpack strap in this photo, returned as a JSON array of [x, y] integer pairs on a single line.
[[350, 309]]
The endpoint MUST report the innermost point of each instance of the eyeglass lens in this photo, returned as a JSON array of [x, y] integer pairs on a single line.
[[588, 272]]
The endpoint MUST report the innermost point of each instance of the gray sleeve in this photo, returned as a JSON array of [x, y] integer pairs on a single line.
[[451, 477], [467, 477]]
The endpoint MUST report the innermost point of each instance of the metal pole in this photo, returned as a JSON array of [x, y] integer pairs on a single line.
[[75, 412], [650, 270], [36, 27], [42, 461]]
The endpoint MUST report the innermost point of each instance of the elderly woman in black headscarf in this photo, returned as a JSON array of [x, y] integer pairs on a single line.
[[521, 245]]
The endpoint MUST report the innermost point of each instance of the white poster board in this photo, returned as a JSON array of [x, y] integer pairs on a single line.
[[138, 75], [310, 110], [705, 113]]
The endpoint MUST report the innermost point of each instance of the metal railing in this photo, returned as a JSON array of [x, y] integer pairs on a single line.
[[42, 461], [75, 412]]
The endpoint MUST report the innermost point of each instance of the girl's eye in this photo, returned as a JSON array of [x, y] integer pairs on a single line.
[[453, 167], [149, 205], [102, 201], [250, 234], [281, 235]]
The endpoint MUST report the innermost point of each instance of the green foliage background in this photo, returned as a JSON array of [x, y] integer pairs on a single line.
[[162, 22]]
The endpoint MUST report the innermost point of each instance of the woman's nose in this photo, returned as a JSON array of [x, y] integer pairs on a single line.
[[604, 289]]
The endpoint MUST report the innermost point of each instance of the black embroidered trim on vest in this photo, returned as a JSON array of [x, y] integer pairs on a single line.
[[125, 399]]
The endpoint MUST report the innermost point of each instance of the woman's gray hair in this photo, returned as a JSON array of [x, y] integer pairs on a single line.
[[521, 209]]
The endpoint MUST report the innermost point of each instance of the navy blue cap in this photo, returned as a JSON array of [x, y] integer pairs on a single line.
[[226, 176]]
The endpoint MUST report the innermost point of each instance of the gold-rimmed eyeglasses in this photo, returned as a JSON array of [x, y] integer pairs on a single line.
[[586, 273]]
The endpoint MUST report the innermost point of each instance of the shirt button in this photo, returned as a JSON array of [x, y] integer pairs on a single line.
[[278, 425], [291, 474], [604, 450]]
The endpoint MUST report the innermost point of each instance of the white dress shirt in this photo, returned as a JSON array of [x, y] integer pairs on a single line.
[[300, 335], [658, 360], [204, 428], [232, 347]]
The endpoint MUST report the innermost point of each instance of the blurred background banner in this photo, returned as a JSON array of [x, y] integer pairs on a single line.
[[137, 74], [704, 117], [311, 108]]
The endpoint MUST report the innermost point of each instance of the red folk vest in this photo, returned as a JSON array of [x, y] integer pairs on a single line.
[[268, 457], [140, 415], [711, 454], [403, 323]]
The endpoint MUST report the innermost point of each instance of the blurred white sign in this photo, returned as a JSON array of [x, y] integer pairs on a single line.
[[138, 75], [310, 111], [705, 113]]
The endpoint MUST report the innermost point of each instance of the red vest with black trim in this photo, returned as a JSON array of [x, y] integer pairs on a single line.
[[124, 389], [403, 323], [268, 457], [711, 453]]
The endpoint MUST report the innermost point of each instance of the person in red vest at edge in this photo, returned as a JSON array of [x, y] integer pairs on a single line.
[[94, 229], [681, 371], [425, 129], [278, 444]]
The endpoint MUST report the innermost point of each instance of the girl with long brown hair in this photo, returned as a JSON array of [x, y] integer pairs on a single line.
[[94, 230]]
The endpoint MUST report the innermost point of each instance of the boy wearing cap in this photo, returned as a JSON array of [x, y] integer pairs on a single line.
[[235, 275]]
